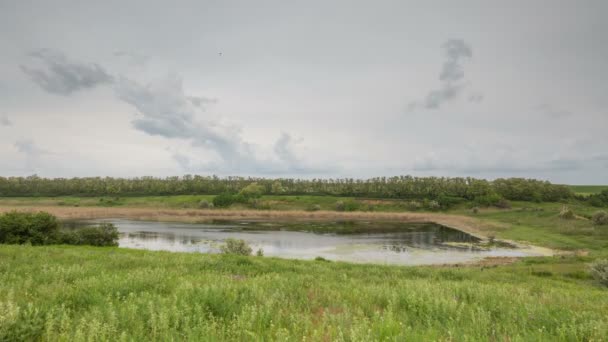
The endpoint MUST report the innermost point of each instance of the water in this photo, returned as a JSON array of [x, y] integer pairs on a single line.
[[390, 243]]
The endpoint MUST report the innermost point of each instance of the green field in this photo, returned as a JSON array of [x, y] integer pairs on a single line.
[[86, 293], [104, 293], [586, 190]]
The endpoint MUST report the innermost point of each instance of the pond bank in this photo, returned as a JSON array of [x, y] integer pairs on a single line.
[[472, 226]]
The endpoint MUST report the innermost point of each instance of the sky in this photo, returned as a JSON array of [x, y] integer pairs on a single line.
[[305, 88]]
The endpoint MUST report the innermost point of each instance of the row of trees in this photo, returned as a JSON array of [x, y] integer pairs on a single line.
[[382, 187]]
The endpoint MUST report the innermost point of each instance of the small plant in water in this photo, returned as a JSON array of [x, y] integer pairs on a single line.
[[234, 246], [320, 258], [260, 252], [599, 271]]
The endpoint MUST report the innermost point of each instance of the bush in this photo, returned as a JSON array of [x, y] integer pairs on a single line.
[[566, 213], [204, 204], [432, 205], [106, 234], [253, 190], [340, 206], [447, 202], [234, 246], [260, 252], [313, 207], [475, 210], [44, 229], [600, 218], [34, 228], [503, 204], [257, 203], [599, 271], [487, 200], [224, 200], [351, 206]]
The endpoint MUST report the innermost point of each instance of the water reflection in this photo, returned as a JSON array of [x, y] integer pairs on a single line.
[[403, 244]]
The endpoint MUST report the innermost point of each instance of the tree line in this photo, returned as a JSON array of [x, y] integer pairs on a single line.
[[402, 187]]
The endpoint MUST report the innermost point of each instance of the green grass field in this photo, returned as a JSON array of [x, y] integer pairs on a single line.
[[588, 189], [86, 293]]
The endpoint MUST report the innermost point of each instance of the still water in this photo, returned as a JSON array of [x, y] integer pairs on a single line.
[[407, 244]]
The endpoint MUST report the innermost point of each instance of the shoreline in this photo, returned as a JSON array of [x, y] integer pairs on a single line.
[[472, 226], [466, 224]]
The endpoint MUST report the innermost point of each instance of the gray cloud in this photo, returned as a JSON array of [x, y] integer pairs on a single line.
[[133, 58], [5, 121], [200, 101], [476, 97], [61, 76], [552, 112], [167, 111], [451, 76]]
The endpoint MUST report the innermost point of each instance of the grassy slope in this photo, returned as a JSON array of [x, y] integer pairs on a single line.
[[75, 293]]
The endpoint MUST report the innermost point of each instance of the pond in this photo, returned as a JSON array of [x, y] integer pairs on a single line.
[[360, 242]]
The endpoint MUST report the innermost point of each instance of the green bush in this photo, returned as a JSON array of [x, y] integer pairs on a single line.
[[313, 207], [35, 228], [351, 206], [340, 206], [600, 218], [106, 234], [503, 204], [253, 190], [599, 271], [204, 204], [234, 246], [224, 200], [566, 213], [44, 229], [447, 202], [487, 200]]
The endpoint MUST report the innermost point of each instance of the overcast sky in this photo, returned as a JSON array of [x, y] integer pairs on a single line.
[[305, 88]]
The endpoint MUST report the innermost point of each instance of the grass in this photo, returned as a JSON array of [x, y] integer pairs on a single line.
[[87, 293], [586, 190]]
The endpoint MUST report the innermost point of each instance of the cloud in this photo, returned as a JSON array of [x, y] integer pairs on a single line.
[[552, 112], [61, 76], [28, 147], [165, 110], [133, 58], [451, 76], [284, 148], [200, 101], [5, 121], [476, 97]]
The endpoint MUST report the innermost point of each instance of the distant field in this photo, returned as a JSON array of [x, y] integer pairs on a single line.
[[588, 189]]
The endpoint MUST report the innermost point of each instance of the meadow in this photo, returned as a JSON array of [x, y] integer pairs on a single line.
[[109, 293], [104, 293]]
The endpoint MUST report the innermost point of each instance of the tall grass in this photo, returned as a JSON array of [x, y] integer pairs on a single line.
[[87, 293]]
